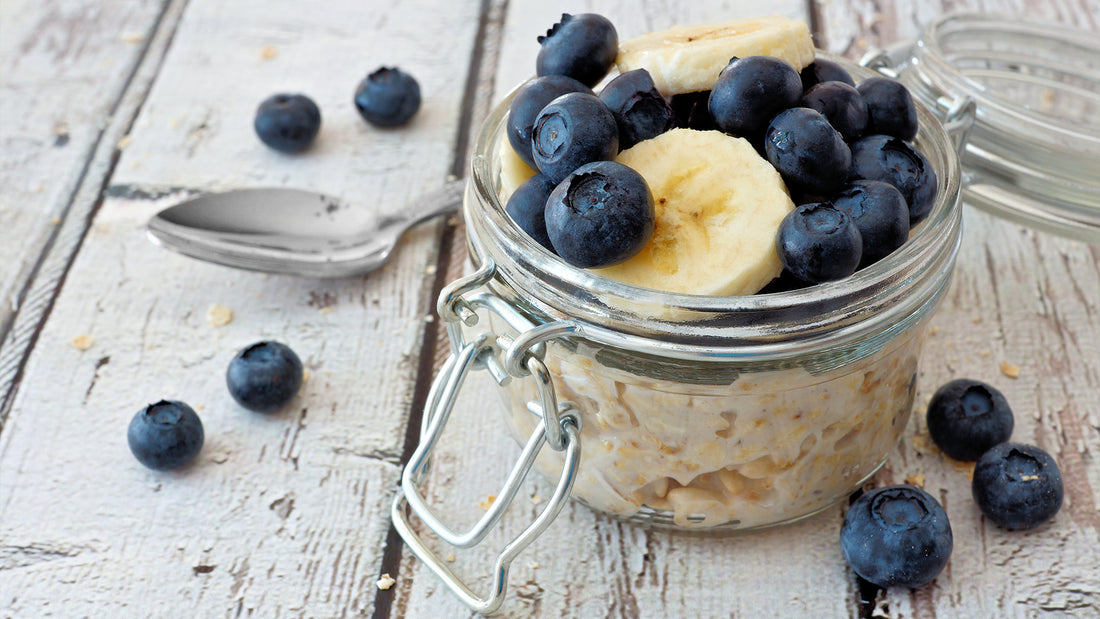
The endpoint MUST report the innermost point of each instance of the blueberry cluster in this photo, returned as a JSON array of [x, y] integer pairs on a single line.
[[843, 149], [387, 97], [263, 377], [582, 206], [900, 535]]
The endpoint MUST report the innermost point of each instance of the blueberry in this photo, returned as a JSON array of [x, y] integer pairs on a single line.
[[890, 108], [896, 536], [287, 123], [1017, 486], [841, 104], [581, 46], [750, 92], [264, 377], [639, 110], [785, 282], [165, 435], [818, 243], [527, 207], [601, 215], [891, 160], [528, 102], [809, 153], [879, 211], [821, 70], [388, 97], [967, 417], [690, 110], [570, 131]]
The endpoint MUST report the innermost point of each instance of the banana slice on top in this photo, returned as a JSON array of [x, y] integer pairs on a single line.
[[719, 205], [689, 58]]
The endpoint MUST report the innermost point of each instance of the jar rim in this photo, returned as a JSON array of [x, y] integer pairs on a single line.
[[904, 282]]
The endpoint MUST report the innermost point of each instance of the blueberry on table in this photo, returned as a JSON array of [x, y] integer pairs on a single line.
[[528, 102], [287, 122], [821, 70], [1017, 486], [601, 215], [809, 153], [573, 130], [841, 104], [891, 160], [896, 536], [968, 417], [879, 211], [388, 97], [750, 91], [818, 243], [639, 110], [165, 435], [527, 207], [890, 107], [581, 46], [264, 377]]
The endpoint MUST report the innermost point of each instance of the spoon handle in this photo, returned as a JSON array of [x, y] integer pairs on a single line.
[[440, 201]]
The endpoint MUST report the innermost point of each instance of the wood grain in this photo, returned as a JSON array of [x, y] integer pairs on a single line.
[[282, 515]]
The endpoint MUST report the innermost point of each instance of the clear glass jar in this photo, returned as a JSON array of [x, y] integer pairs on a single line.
[[690, 412]]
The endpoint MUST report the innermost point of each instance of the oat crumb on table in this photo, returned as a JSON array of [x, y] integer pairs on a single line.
[[268, 52], [132, 37], [82, 342], [488, 502], [326, 309], [385, 582], [124, 142], [451, 558], [1010, 370], [219, 315]]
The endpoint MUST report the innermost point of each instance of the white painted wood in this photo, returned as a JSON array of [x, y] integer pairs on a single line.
[[63, 69], [288, 512]]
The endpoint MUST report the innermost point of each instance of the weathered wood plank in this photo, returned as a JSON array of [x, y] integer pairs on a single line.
[[72, 76], [282, 515], [1029, 299]]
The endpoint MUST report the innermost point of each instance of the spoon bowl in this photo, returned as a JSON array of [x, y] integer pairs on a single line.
[[292, 231]]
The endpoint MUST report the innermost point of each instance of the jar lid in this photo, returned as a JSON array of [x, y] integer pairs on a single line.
[[1032, 154]]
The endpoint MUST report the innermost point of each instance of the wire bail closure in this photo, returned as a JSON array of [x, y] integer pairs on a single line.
[[506, 358]]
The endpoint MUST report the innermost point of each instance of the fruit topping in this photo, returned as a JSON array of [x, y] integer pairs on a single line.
[[890, 108], [570, 131], [750, 92], [821, 70], [1017, 486], [388, 97], [841, 104], [819, 243], [896, 536], [688, 58], [581, 46], [528, 102], [601, 215], [527, 207], [264, 377], [809, 153], [165, 435], [287, 123], [891, 160], [639, 110], [879, 211], [718, 205], [968, 417], [690, 111]]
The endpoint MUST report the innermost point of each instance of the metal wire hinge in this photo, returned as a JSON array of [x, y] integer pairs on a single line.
[[559, 427]]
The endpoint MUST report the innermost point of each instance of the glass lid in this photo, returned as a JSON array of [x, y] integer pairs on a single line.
[[1033, 153]]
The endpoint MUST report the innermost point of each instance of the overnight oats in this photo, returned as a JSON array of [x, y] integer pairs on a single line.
[[723, 295]]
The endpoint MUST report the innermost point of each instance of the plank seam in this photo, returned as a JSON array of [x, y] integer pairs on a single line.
[[394, 550], [44, 282]]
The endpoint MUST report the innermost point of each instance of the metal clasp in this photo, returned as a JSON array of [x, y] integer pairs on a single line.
[[559, 427]]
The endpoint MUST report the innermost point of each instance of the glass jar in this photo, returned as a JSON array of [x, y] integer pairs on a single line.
[[691, 412]]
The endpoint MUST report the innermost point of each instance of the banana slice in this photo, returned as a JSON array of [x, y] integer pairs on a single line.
[[719, 205], [513, 170], [689, 58]]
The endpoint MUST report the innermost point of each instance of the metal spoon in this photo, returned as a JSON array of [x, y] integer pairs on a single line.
[[292, 231]]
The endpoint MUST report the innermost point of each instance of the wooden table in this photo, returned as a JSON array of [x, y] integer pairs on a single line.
[[110, 111]]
